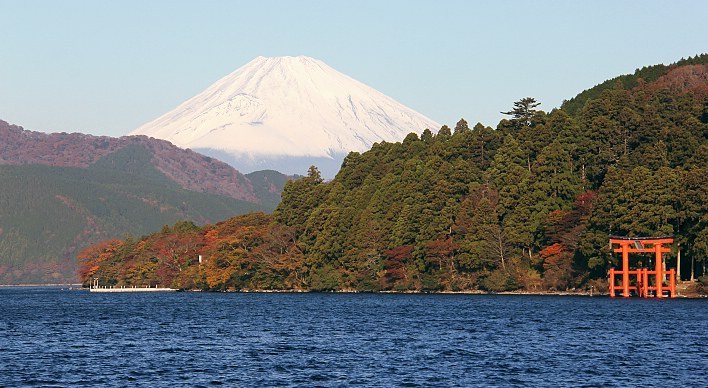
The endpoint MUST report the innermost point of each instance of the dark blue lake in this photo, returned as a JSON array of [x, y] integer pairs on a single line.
[[54, 337]]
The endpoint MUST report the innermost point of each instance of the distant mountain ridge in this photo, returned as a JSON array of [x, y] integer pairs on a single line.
[[187, 168], [277, 113]]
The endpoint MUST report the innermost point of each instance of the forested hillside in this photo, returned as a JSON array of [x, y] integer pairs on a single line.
[[50, 213], [680, 77], [60, 193], [528, 205]]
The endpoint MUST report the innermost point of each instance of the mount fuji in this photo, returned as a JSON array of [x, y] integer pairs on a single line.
[[285, 114]]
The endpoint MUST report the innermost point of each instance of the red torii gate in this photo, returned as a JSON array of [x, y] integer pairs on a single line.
[[642, 288]]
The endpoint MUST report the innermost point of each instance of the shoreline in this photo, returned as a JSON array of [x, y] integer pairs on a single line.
[[78, 287], [468, 292]]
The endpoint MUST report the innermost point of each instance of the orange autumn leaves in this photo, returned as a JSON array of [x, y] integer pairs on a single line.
[[245, 252]]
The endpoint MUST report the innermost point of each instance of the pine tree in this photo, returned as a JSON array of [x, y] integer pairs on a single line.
[[461, 126], [523, 111]]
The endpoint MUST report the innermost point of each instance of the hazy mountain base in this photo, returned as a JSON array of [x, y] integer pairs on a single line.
[[289, 165]]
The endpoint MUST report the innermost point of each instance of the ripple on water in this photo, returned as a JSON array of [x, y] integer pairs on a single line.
[[347, 339]]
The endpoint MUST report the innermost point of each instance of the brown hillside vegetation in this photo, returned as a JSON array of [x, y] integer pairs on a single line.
[[681, 80]]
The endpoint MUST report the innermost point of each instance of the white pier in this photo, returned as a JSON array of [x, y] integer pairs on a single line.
[[96, 288], [131, 289]]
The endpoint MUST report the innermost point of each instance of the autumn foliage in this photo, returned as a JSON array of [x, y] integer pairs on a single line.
[[245, 252]]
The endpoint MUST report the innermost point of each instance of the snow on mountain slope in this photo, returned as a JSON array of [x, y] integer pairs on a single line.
[[286, 107]]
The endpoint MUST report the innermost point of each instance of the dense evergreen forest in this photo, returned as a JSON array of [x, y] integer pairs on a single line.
[[528, 205]]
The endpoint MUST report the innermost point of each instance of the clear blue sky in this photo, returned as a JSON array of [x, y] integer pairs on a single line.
[[106, 67]]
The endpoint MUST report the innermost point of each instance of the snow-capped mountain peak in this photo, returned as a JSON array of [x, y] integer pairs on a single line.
[[280, 107]]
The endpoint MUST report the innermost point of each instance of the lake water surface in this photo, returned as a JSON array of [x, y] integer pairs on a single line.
[[50, 336]]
